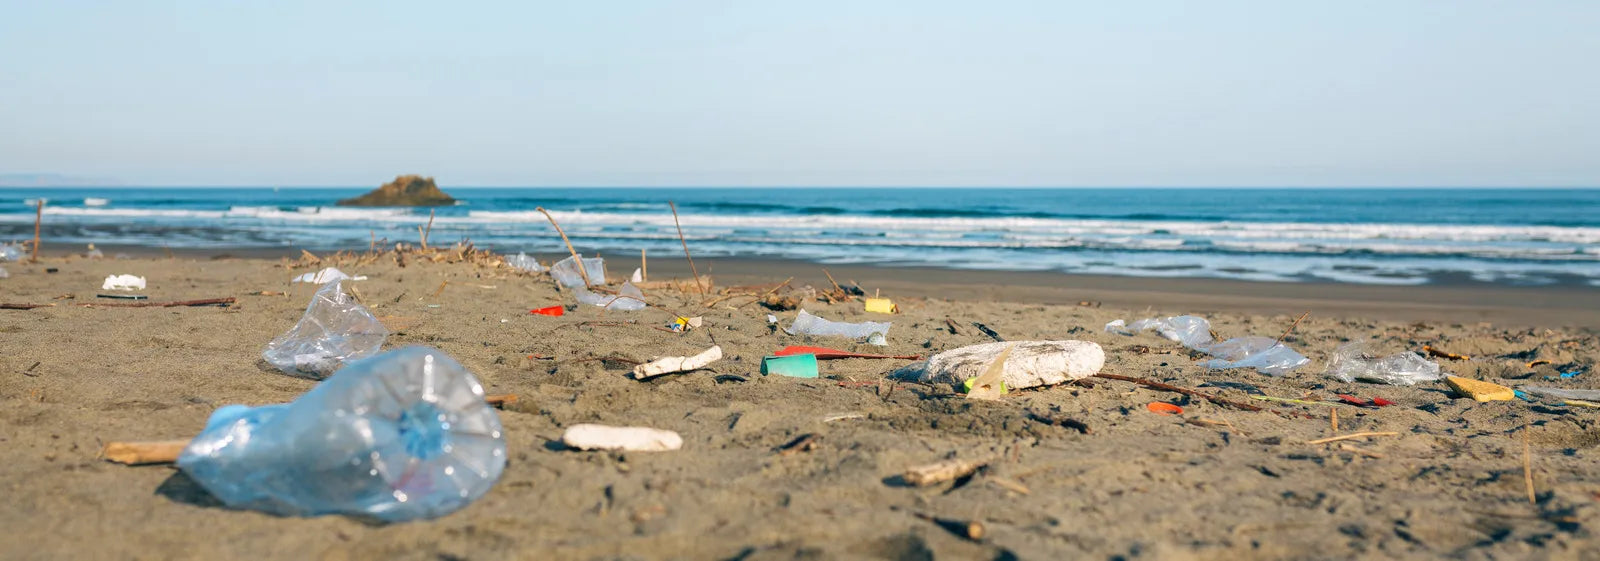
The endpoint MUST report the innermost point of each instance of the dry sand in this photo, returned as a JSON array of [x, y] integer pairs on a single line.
[[1213, 483]]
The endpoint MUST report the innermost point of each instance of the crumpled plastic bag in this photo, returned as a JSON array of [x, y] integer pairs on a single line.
[[874, 332], [566, 272], [1190, 331], [10, 252], [628, 298], [1031, 363], [325, 276], [1266, 355], [1350, 363], [334, 330], [400, 436], [524, 262]]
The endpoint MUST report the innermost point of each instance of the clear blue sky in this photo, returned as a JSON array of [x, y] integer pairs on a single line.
[[919, 92]]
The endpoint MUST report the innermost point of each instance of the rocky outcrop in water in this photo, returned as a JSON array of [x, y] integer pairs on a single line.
[[405, 190]]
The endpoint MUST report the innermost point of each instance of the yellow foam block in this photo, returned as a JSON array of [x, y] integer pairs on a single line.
[[1480, 390], [882, 306]]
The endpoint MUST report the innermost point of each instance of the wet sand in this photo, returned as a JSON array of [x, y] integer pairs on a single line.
[[1215, 482]]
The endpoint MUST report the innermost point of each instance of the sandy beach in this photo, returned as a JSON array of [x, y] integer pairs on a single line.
[[1215, 482]]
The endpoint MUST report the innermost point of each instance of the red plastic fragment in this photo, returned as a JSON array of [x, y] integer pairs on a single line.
[[1353, 400], [1380, 402], [549, 311]]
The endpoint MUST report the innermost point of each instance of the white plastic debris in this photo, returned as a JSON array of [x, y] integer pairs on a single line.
[[874, 332], [638, 275], [566, 272], [633, 439], [326, 276], [628, 298], [771, 319], [523, 261], [1264, 354], [123, 282], [4, 274], [10, 252], [335, 330], [1032, 363], [94, 253], [671, 364], [1350, 362]]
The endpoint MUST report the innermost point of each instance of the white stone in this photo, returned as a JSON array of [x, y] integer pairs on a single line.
[[634, 439], [1032, 363]]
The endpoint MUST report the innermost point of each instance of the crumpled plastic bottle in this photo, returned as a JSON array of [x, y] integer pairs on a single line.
[[334, 330], [628, 298], [1268, 356], [1350, 363], [404, 435], [524, 262], [566, 272]]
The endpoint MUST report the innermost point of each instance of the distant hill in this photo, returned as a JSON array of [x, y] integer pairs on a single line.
[[52, 180], [405, 190]]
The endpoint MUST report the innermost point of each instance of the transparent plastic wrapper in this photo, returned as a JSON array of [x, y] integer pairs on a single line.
[[10, 252], [1030, 364], [325, 276], [1190, 331], [1350, 362], [628, 298], [874, 332], [1264, 354], [1562, 393], [566, 272], [524, 262], [334, 330], [404, 435]]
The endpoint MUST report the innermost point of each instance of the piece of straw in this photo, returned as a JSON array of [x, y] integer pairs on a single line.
[[685, 243]]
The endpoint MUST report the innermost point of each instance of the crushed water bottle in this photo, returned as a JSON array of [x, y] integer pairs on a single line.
[[334, 330], [873, 332], [1351, 362], [404, 435], [566, 271], [1266, 355], [524, 262]]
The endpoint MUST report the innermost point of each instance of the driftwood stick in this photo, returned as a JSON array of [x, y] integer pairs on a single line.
[[39, 218], [429, 230], [143, 453], [939, 472], [685, 243], [1527, 467], [1351, 436], [499, 400], [205, 302], [574, 252], [1291, 328], [1185, 391], [769, 292], [24, 306], [644, 266]]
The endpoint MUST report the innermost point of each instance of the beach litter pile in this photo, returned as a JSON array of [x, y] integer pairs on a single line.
[[410, 434]]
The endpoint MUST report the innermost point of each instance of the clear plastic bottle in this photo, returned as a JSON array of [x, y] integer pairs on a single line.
[[399, 436], [335, 330]]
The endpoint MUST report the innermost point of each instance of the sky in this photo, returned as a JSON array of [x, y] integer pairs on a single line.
[[885, 93]]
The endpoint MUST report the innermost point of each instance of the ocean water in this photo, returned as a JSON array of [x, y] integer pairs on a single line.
[[1370, 236]]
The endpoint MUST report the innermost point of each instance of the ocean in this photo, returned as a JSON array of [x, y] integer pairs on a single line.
[[1363, 236]]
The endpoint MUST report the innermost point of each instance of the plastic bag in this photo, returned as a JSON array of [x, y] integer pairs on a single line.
[[10, 252], [1031, 363], [1350, 363], [566, 272], [1190, 331], [399, 436], [524, 262], [874, 332], [1264, 354], [628, 299], [334, 330]]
